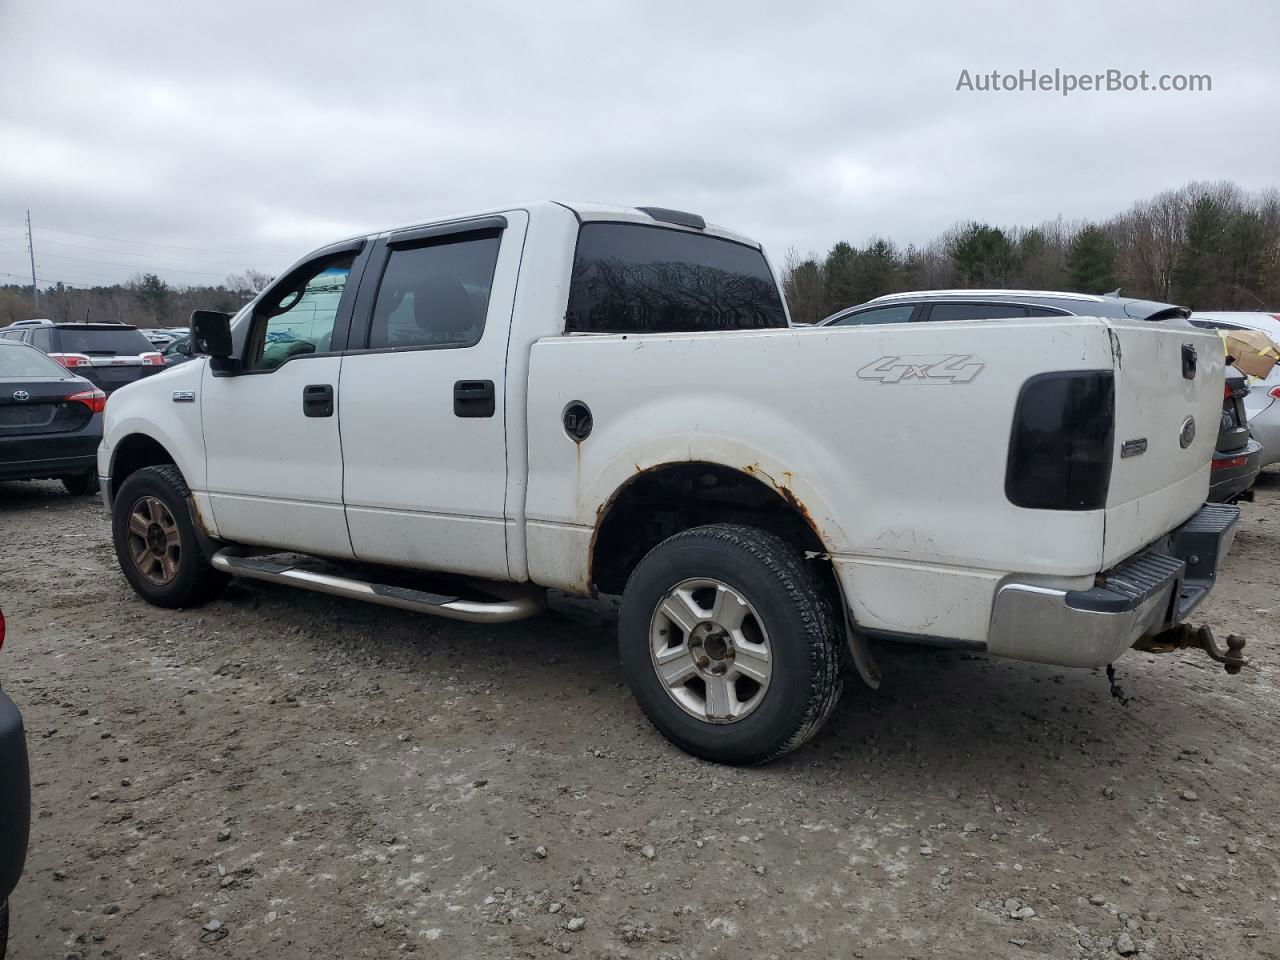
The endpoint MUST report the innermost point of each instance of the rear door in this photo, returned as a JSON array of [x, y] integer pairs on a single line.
[[422, 411], [1169, 384]]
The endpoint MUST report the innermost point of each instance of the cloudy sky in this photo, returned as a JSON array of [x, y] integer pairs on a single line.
[[196, 140]]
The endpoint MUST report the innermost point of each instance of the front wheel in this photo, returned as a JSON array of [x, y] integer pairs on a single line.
[[156, 543], [731, 643]]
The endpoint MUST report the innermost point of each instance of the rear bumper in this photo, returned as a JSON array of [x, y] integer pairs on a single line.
[[44, 456], [1146, 594], [15, 796], [1225, 484]]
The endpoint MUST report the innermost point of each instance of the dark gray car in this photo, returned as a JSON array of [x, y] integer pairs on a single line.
[[1237, 459]]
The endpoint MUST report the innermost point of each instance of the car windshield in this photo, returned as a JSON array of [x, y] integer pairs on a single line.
[[103, 343], [28, 363]]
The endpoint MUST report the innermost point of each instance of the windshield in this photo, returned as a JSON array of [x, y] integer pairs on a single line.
[[103, 343], [20, 362]]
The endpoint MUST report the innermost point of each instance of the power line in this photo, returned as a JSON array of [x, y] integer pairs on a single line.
[[153, 243], [135, 266], [65, 283], [130, 253]]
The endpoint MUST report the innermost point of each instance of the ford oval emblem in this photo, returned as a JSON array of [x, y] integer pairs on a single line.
[[21, 396], [1188, 432]]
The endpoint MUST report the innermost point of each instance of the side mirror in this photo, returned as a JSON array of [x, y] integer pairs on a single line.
[[211, 334]]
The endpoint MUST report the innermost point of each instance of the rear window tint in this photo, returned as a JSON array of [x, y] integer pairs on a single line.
[[28, 363], [632, 278], [128, 343]]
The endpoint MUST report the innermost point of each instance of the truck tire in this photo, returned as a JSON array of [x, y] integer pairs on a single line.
[[731, 643], [81, 484], [156, 543]]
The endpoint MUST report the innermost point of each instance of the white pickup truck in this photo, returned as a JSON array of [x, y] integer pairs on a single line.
[[454, 417]]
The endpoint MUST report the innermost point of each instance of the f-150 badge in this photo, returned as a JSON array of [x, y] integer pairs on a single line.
[[924, 368]]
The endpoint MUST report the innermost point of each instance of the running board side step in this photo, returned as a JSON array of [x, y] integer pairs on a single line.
[[520, 606]]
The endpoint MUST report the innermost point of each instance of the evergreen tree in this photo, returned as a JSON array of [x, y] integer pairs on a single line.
[[983, 255], [1091, 262]]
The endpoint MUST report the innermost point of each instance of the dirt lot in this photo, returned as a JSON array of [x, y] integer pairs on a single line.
[[287, 775]]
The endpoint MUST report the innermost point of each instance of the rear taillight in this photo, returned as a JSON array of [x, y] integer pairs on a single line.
[[71, 360], [1274, 392], [1226, 390], [94, 399], [152, 360], [1061, 449], [1228, 462]]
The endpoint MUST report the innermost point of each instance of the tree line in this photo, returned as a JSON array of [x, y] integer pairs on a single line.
[[1207, 246], [145, 301], [1204, 245]]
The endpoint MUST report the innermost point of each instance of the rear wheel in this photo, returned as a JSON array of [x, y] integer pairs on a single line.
[[81, 484], [156, 543], [731, 643], [4, 927]]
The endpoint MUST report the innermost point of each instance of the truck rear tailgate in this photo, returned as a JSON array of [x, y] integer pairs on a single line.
[[1168, 399]]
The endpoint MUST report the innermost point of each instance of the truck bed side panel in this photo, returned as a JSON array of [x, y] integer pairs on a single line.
[[893, 438]]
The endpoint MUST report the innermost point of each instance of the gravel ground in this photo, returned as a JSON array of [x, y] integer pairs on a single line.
[[288, 775]]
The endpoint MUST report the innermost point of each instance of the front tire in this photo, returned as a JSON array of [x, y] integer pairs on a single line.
[[731, 643], [156, 543]]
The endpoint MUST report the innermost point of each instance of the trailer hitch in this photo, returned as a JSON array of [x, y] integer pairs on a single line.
[[1184, 635]]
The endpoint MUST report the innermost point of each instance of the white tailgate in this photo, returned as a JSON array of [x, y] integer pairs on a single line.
[[1153, 492]]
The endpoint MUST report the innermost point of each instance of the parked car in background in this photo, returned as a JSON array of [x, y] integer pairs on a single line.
[[1262, 405], [179, 351], [595, 398], [1268, 323], [158, 338], [50, 420], [1236, 459], [110, 355], [15, 802]]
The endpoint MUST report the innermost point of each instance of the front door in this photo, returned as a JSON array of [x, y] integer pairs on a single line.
[[423, 411], [274, 474]]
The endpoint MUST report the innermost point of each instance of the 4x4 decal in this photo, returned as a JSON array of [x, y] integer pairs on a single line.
[[924, 368]]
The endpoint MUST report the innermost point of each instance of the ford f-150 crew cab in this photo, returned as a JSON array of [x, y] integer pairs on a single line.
[[595, 398]]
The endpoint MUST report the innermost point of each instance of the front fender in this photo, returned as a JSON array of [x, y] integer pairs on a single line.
[[165, 409]]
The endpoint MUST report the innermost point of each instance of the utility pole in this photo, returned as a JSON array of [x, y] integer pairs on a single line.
[[31, 248]]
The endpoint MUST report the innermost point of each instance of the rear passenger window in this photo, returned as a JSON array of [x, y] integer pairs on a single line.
[[899, 314], [634, 278], [1047, 312], [435, 295], [975, 311]]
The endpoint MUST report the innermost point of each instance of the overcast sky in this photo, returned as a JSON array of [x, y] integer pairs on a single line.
[[196, 140]]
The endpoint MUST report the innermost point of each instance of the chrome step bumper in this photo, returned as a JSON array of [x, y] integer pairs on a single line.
[[1145, 595]]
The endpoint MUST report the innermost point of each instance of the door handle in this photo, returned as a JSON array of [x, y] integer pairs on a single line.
[[317, 400], [473, 398]]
